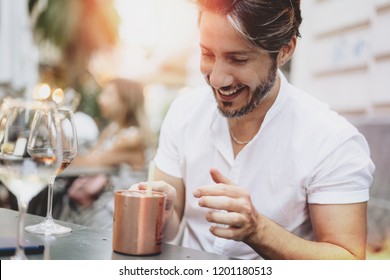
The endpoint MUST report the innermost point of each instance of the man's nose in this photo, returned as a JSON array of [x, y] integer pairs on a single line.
[[220, 76]]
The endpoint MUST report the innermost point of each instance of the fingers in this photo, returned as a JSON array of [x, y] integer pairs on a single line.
[[138, 186], [224, 187], [219, 178], [220, 190], [236, 217], [231, 219], [229, 225], [232, 225], [158, 186], [226, 203], [233, 233]]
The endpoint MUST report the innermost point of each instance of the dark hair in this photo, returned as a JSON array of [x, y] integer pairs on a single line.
[[268, 25], [131, 95]]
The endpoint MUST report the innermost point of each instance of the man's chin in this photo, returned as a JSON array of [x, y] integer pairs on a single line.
[[226, 108], [230, 114]]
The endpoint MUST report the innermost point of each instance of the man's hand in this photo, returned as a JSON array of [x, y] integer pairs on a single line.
[[237, 212], [163, 187]]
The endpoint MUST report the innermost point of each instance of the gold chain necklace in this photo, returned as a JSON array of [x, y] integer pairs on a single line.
[[236, 140]]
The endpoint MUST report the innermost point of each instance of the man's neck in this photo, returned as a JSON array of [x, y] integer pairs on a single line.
[[246, 127]]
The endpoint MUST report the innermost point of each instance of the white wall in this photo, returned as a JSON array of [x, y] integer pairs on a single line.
[[343, 56], [18, 53]]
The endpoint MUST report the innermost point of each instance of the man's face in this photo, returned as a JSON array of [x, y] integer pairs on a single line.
[[240, 75]]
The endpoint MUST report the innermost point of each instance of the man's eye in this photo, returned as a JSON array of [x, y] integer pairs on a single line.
[[239, 60]]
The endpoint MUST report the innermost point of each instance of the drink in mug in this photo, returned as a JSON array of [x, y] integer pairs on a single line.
[[138, 222]]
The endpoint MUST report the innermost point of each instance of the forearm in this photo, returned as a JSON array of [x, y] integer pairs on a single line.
[[272, 241], [171, 228], [174, 188]]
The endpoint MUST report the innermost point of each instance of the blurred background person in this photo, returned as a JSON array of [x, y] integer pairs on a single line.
[[86, 127], [126, 145]]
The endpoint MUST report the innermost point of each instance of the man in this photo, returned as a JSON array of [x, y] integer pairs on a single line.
[[258, 168]]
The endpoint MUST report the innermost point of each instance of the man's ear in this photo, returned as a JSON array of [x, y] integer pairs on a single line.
[[287, 51]]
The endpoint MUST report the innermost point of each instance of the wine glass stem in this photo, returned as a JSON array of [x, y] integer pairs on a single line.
[[19, 254], [50, 191]]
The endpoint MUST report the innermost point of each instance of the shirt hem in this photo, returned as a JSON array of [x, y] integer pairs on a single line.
[[339, 197]]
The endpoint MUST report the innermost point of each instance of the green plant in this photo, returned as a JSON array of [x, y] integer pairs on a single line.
[[77, 29]]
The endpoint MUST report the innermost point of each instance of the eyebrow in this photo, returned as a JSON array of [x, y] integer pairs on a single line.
[[251, 52]]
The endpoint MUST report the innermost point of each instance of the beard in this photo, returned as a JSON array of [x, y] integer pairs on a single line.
[[258, 95]]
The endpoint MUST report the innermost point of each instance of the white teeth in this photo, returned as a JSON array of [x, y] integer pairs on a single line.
[[229, 92]]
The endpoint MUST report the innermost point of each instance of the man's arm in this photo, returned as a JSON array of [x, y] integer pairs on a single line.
[[340, 229], [340, 232], [175, 208]]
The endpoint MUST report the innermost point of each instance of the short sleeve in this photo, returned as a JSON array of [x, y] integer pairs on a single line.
[[167, 158], [344, 176]]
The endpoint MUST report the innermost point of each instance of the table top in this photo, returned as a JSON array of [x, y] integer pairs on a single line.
[[85, 243]]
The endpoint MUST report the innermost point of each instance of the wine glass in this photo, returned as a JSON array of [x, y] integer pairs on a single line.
[[3, 114], [69, 150], [30, 152]]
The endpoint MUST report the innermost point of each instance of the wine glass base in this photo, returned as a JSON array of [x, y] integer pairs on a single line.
[[48, 227]]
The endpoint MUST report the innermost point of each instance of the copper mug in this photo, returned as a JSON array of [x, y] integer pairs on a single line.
[[138, 222]]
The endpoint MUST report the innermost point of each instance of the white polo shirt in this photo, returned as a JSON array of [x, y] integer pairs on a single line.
[[303, 153]]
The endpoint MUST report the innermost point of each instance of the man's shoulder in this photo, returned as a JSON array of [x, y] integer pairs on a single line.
[[316, 118], [316, 112]]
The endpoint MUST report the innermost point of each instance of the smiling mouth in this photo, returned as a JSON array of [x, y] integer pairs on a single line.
[[232, 91], [229, 95]]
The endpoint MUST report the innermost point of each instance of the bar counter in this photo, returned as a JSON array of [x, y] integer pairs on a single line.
[[85, 243]]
